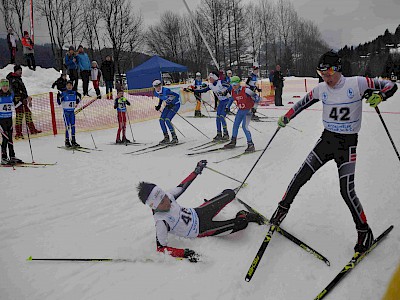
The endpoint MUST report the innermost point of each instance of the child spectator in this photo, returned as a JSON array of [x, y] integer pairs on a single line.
[[28, 50], [96, 75]]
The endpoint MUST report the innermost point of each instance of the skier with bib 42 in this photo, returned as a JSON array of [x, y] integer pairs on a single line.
[[342, 110], [170, 217]]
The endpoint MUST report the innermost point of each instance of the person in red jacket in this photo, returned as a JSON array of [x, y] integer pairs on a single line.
[[170, 217], [28, 51], [96, 76]]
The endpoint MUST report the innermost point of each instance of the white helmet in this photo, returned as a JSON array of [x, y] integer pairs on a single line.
[[198, 74], [156, 83]]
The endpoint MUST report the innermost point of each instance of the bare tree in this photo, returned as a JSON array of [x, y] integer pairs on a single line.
[[121, 24], [267, 20], [91, 27], [285, 15], [7, 12], [14, 9], [253, 25]]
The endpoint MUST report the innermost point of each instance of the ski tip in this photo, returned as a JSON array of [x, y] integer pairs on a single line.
[[29, 258], [328, 263]]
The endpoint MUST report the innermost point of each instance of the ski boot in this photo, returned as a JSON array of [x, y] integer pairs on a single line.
[[225, 137], [232, 144], [5, 161], [251, 217], [174, 138], [250, 147], [165, 140], [19, 136], [74, 143], [255, 118], [13, 160], [125, 140], [197, 114], [218, 137], [279, 214], [36, 131], [365, 239], [118, 141], [67, 144]]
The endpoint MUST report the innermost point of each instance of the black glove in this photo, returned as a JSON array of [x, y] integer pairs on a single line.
[[253, 110], [169, 105], [200, 166], [191, 255], [158, 107], [227, 109], [188, 90], [259, 90]]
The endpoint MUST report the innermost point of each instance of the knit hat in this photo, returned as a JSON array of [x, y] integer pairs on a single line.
[[70, 82], [4, 82], [80, 46], [214, 75], [17, 67], [26, 33], [71, 48], [150, 194]]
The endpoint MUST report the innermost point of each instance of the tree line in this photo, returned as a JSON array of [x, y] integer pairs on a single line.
[[239, 34]]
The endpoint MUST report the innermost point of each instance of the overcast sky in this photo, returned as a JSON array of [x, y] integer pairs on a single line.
[[341, 22]]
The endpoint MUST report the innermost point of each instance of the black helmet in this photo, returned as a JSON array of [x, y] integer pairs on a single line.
[[328, 60]]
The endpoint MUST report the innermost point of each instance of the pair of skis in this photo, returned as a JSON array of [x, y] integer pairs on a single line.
[[79, 148], [354, 261], [28, 165], [153, 148]]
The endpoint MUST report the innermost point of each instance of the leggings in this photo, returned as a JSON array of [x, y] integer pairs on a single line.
[[342, 148]]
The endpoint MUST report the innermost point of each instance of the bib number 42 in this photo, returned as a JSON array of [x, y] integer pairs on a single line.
[[341, 114]]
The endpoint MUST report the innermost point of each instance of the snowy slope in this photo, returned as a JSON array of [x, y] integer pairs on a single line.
[[86, 206]]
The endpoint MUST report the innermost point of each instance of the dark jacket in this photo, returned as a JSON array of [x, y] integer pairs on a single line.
[[107, 68], [17, 86], [278, 79], [61, 84], [9, 42], [68, 60]]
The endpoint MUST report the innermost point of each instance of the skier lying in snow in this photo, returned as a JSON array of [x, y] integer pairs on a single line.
[[169, 216]]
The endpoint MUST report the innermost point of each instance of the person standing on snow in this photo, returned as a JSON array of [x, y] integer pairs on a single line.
[[172, 105], [197, 85], [222, 90], [23, 103], [95, 74], [107, 68], [12, 45], [342, 110], [84, 65], [120, 105], [7, 101], [69, 99], [27, 47], [278, 85], [251, 83], [72, 66], [170, 217], [245, 99]]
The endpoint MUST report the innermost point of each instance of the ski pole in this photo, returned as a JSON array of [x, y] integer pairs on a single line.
[[276, 118], [215, 171], [127, 114], [178, 129], [258, 159], [90, 132], [190, 124], [249, 125], [387, 131], [27, 131]]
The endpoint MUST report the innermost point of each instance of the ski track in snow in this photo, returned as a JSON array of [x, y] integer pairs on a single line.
[[86, 206]]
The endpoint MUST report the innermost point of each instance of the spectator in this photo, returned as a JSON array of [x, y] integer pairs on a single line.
[[72, 66], [108, 71], [23, 102], [271, 78], [278, 85], [61, 84], [27, 45], [96, 75], [12, 44], [83, 62]]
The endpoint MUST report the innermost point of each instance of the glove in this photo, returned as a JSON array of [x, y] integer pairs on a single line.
[[373, 98], [157, 107], [200, 166], [227, 109], [259, 90], [169, 106], [188, 90], [222, 93], [253, 110], [283, 121], [191, 255]]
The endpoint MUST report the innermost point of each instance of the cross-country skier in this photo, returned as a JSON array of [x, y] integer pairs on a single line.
[[120, 105], [222, 90], [69, 99], [7, 101], [245, 99], [172, 105], [170, 217], [251, 83], [342, 110]]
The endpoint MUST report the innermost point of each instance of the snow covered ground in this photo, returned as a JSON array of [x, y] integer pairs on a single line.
[[87, 207]]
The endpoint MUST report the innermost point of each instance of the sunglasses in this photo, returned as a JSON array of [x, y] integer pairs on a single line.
[[327, 71]]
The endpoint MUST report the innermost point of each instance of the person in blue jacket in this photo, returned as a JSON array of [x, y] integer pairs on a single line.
[[172, 105], [7, 101], [222, 89], [251, 83], [72, 66], [69, 99], [85, 66]]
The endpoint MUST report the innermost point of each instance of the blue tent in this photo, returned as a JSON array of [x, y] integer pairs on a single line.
[[143, 75]]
